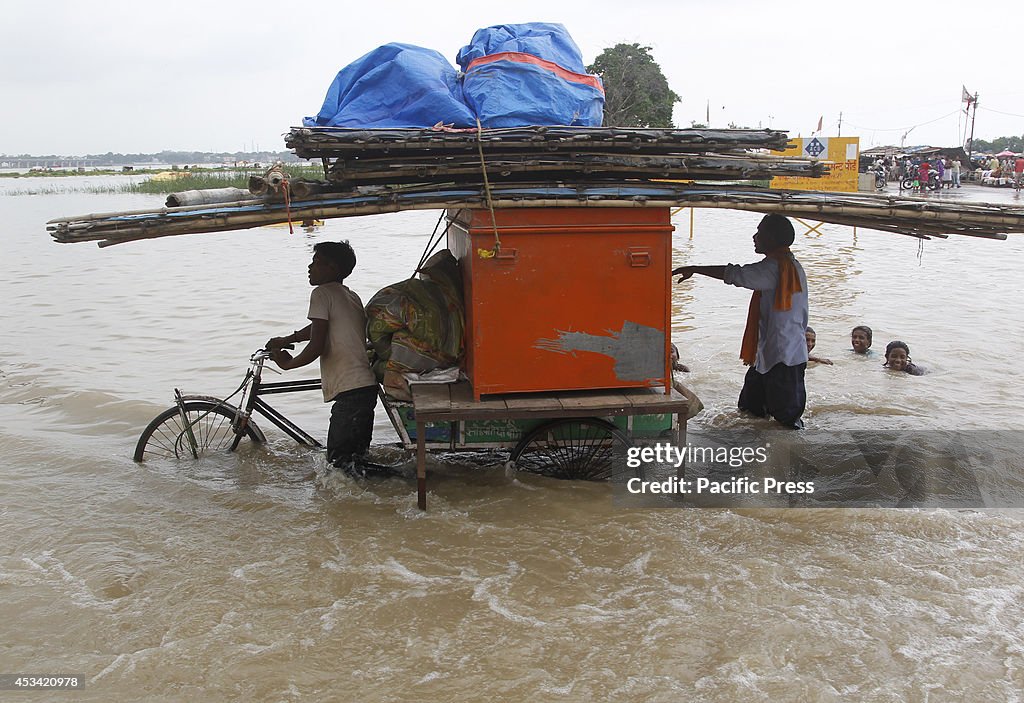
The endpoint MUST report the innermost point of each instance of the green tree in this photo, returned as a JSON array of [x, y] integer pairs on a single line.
[[999, 144], [636, 93]]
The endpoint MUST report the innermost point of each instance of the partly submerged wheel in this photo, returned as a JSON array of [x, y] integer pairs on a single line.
[[207, 429], [907, 184], [589, 448]]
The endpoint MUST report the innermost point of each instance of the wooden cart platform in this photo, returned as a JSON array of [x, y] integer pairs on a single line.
[[455, 402]]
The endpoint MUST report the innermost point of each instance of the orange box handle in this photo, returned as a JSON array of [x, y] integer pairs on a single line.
[[639, 257], [507, 255]]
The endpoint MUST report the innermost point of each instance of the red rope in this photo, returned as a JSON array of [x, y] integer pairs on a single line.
[[287, 205]]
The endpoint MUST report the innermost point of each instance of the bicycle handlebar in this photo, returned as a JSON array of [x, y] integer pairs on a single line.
[[264, 354]]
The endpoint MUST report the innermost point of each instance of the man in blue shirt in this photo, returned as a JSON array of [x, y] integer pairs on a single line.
[[774, 344]]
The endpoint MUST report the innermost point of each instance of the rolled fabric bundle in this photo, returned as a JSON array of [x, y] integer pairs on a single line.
[[207, 196], [304, 188], [258, 185]]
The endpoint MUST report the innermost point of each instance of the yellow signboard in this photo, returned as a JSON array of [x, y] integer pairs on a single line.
[[842, 152]]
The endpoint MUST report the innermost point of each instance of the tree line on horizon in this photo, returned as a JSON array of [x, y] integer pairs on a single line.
[[999, 144], [171, 157]]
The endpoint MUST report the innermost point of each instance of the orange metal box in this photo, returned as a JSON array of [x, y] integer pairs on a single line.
[[575, 298]]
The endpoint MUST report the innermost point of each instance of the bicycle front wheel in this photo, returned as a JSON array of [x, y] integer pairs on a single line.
[[205, 429]]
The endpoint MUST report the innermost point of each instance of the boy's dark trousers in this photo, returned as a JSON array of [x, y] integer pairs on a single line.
[[779, 393], [351, 424]]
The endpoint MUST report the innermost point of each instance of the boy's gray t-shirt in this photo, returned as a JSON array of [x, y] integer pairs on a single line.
[[344, 365]]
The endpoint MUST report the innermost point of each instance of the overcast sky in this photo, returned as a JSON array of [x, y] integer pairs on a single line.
[[92, 76]]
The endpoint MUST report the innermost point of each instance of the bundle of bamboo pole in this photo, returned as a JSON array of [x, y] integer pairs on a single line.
[[917, 217], [539, 154], [579, 166], [330, 142]]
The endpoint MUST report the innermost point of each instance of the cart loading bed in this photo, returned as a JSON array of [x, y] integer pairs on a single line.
[[454, 403]]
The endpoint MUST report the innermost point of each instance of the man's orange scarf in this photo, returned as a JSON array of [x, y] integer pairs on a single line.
[[789, 284]]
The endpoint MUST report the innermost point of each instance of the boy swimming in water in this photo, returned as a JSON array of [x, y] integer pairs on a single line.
[[860, 340], [811, 338], [897, 358]]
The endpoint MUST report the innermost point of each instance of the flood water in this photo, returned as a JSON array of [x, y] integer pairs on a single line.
[[241, 578]]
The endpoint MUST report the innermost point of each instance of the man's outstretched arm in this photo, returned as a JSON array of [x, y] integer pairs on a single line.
[[686, 272]]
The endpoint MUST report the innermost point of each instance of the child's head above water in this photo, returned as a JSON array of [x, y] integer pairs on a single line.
[[811, 338], [897, 355], [676, 366], [860, 339]]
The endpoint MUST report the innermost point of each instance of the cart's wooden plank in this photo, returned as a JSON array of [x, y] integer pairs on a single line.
[[462, 399], [542, 405], [612, 402], [651, 401], [428, 398], [532, 402], [458, 404]]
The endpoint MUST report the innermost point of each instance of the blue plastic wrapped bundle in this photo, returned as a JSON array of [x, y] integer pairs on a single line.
[[544, 40], [529, 74], [395, 86]]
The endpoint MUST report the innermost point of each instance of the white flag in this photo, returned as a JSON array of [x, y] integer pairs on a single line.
[[966, 97]]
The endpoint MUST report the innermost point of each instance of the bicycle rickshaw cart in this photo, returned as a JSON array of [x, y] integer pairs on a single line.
[[566, 363], [568, 434], [574, 435]]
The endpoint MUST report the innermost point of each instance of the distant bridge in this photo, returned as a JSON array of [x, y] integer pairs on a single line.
[[55, 162]]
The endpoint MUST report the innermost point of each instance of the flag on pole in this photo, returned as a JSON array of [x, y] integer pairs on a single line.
[[819, 123], [965, 96]]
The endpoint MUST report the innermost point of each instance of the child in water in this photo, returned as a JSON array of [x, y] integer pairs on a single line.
[[811, 337], [676, 366], [860, 340], [695, 403], [897, 358]]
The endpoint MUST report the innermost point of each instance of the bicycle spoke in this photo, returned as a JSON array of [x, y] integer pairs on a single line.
[[571, 449], [210, 424]]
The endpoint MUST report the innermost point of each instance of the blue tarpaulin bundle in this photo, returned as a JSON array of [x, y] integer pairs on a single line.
[[544, 40], [529, 74], [515, 75], [395, 85]]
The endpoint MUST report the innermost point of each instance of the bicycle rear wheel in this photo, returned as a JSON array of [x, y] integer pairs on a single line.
[[591, 449], [210, 423]]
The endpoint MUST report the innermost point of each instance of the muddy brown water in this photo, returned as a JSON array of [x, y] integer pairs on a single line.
[[239, 579]]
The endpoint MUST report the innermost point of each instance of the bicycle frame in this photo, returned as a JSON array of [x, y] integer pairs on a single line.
[[251, 401]]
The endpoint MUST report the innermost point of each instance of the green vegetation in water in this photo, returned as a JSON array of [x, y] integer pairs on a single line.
[[191, 181], [159, 181], [201, 179]]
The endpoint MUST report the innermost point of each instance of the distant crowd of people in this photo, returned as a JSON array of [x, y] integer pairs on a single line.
[[1004, 170], [943, 172]]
